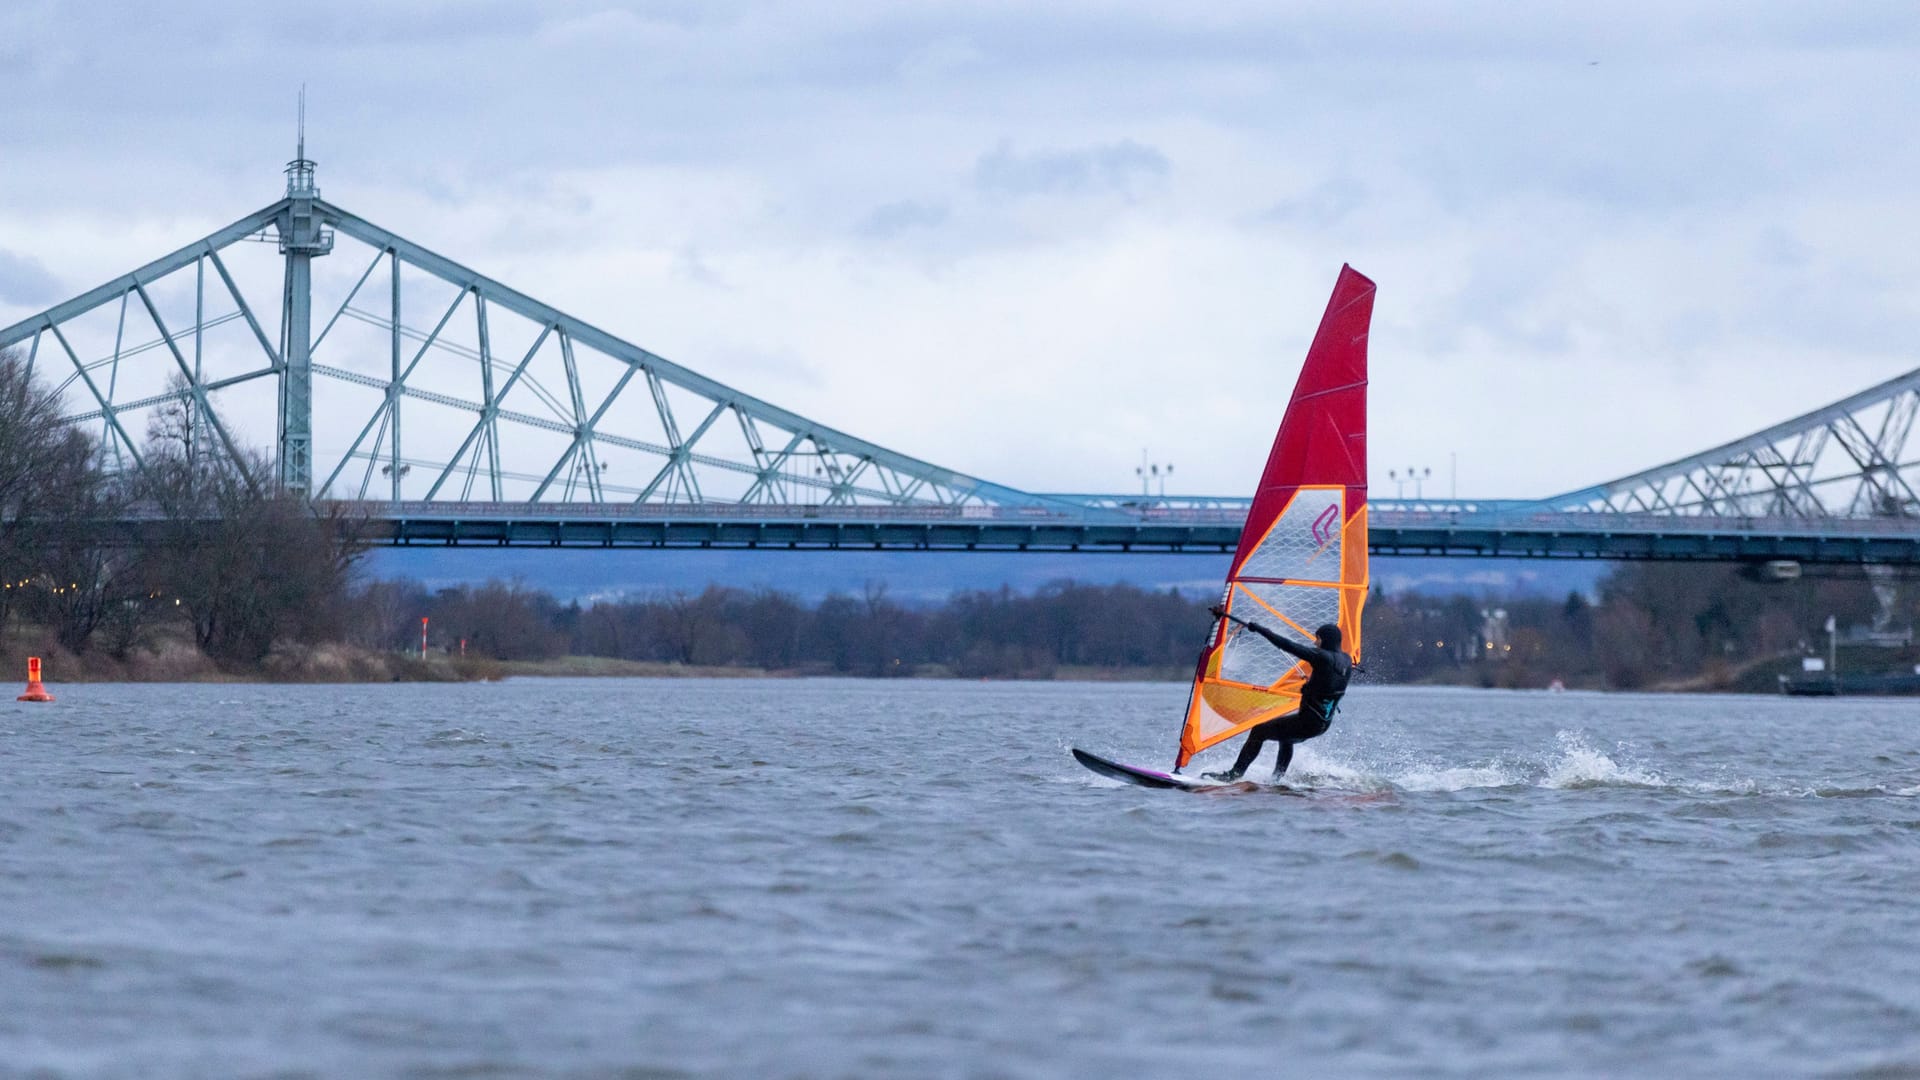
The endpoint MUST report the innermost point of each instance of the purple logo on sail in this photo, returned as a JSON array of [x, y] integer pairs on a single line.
[[1323, 525]]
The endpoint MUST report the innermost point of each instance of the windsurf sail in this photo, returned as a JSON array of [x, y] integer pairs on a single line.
[[1302, 559]]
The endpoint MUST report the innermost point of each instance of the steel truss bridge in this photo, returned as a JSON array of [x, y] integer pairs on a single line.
[[443, 407]]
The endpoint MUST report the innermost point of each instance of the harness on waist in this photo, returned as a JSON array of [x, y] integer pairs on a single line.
[[1323, 711]]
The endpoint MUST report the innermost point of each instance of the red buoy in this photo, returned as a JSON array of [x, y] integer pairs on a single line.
[[35, 692]]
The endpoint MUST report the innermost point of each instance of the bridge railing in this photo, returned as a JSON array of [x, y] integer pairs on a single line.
[[1509, 517], [1587, 523], [709, 511]]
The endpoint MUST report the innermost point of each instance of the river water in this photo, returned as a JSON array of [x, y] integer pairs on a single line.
[[824, 878]]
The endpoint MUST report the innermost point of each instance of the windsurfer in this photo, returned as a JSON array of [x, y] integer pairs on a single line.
[[1330, 670]]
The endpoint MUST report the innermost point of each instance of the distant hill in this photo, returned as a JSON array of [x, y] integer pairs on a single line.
[[921, 577]]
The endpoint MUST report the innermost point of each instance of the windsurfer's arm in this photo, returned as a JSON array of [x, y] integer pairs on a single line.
[[1305, 652]]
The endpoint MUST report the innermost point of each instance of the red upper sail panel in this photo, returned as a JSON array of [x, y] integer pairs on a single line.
[[1323, 438]]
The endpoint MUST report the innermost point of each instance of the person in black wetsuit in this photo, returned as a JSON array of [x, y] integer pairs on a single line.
[[1331, 669]]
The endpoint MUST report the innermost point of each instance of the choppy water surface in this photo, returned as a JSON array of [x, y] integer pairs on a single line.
[[826, 878]]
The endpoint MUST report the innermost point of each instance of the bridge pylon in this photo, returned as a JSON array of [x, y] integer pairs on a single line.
[[303, 238]]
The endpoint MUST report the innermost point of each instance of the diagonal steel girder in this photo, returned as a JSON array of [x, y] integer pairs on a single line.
[[663, 371], [158, 268], [1788, 470], [130, 286]]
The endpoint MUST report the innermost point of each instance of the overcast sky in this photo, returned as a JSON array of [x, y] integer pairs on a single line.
[[1028, 240]]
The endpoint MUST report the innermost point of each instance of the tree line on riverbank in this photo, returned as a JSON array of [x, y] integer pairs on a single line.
[[1067, 626], [1651, 625]]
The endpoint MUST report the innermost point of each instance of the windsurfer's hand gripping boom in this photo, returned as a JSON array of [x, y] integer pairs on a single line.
[[1278, 642]]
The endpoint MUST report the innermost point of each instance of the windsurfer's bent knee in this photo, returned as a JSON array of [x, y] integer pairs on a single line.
[[1329, 668]]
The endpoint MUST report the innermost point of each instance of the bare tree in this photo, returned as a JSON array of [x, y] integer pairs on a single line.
[[249, 564], [58, 511], [503, 620], [385, 615]]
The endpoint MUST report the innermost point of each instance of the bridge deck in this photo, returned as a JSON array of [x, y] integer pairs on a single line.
[[1500, 532]]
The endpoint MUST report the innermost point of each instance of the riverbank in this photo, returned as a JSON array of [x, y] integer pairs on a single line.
[[173, 659], [177, 661], [608, 667]]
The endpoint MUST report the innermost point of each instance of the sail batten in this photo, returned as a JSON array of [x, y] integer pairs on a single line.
[[1302, 558]]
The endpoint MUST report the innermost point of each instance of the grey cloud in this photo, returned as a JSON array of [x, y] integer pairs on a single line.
[[25, 281], [1781, 248], [1835, 300], [755, 364], [1693, 330], [1320, 206], [895, 218], [1509, 295], [942, 59], [690, 265], [1114, 167]]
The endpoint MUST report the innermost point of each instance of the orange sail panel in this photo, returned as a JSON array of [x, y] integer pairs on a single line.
[[1302, 559]]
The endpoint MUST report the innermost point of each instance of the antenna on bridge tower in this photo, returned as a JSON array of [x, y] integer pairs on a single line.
[[300, 169]]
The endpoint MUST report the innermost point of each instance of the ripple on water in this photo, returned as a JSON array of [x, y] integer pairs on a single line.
[[66, 962], [1715, 966], [1393, 860], [151, 821], [454, 737]]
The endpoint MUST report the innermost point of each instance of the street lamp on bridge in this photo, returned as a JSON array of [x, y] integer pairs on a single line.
[[1414, 475], [1151, 473]]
